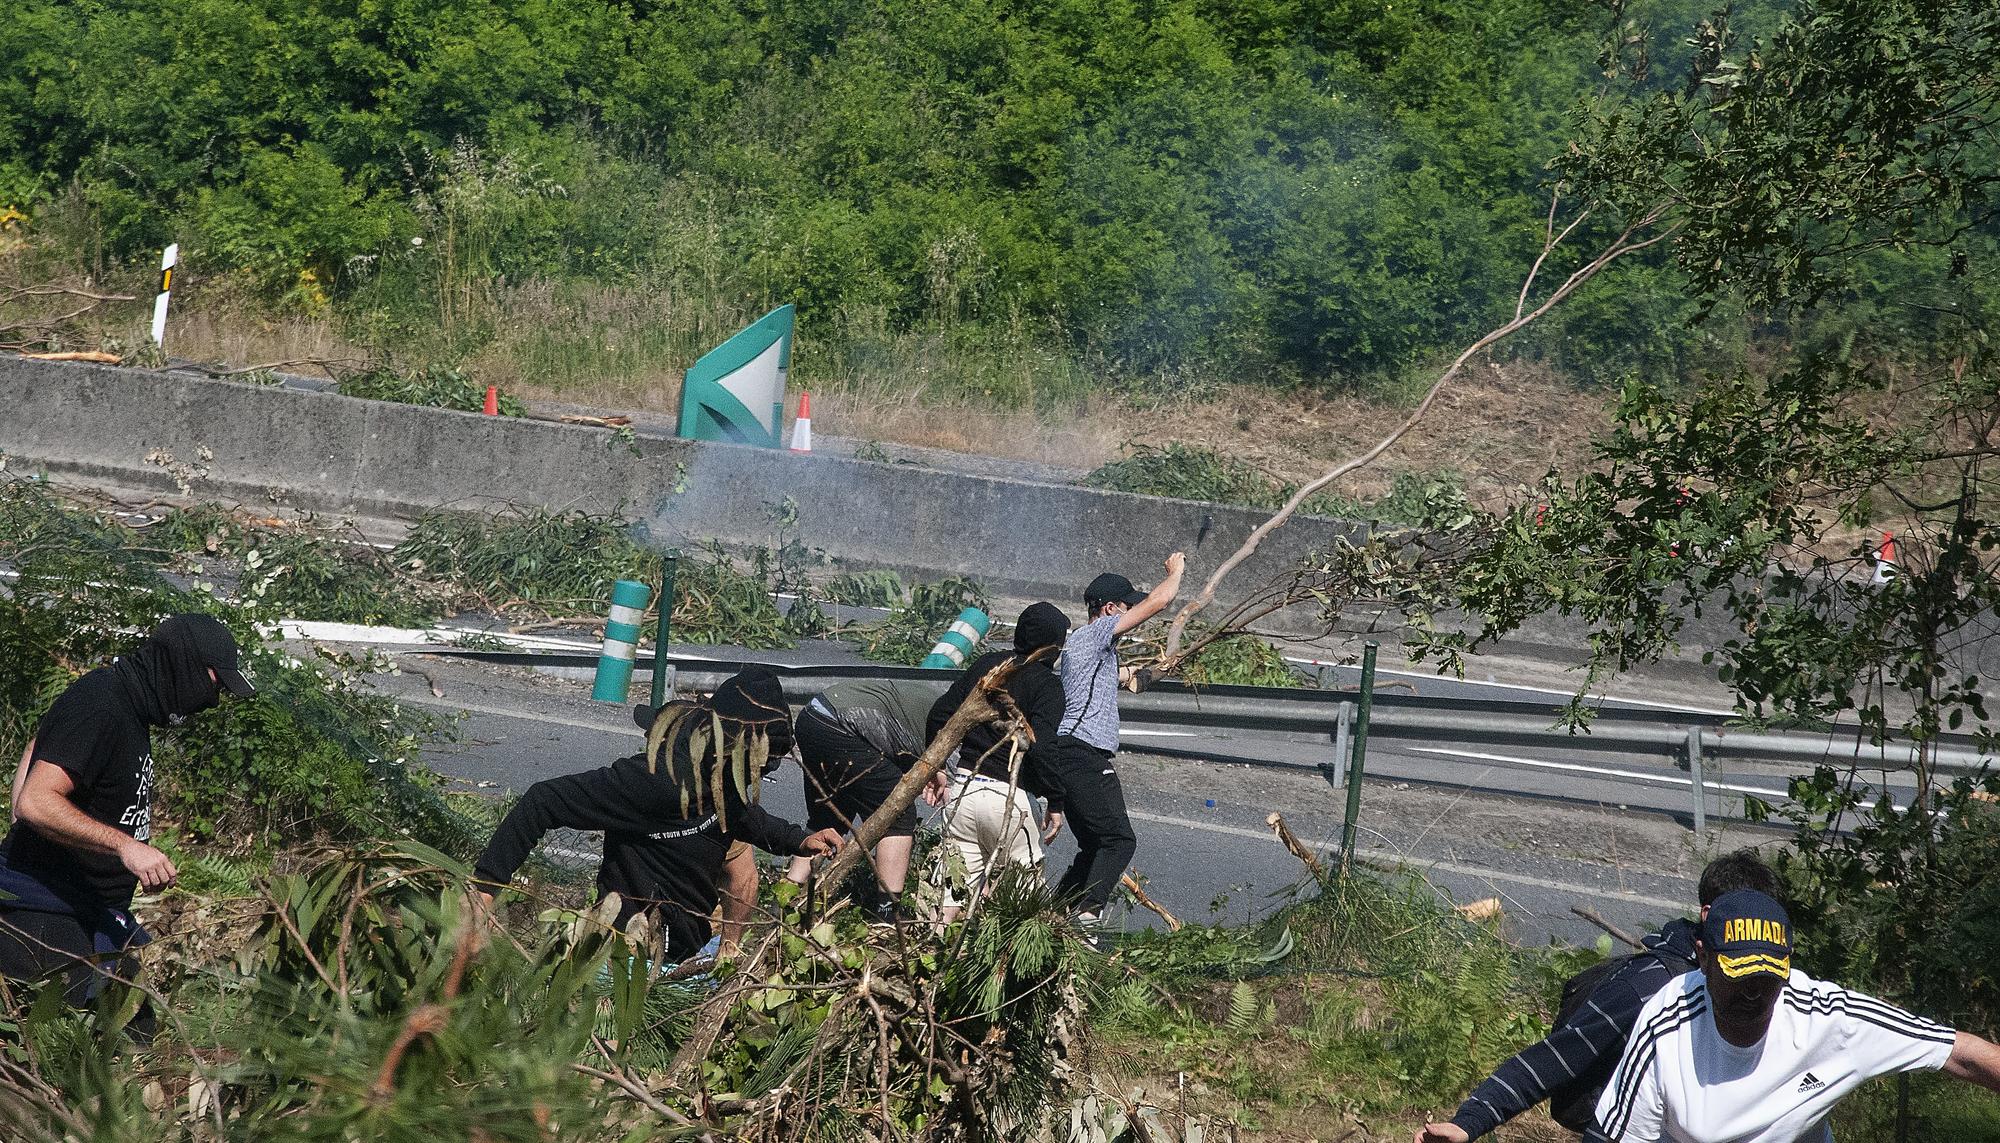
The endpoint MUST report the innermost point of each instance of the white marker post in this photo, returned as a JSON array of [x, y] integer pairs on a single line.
[[169, 257]]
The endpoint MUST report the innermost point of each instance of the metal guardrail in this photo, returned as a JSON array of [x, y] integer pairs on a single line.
[[1689, 739]]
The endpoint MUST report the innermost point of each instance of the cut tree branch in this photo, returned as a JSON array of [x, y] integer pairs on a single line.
[[987, 701], [1626, 243]]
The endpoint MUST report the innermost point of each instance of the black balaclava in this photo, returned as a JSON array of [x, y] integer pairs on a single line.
[[755, 697], [1041, 625], [166, 679]]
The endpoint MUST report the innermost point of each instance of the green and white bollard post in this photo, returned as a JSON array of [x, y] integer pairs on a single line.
[[621, 640], [955, 646]]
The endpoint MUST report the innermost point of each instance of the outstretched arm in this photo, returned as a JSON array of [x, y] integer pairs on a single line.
[[1591, 1038], [1157, 599], [589, 801], [1976, 1060]]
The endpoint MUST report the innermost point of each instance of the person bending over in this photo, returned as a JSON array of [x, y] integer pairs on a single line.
[[80, 841], [988, 817], [856, 741], [670, 814]]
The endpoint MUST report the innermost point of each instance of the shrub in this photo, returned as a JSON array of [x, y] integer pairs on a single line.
[[435, 386]]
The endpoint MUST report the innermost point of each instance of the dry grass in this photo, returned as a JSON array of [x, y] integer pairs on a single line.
[[623, 348], [213, 329], [1501, 427], [1078, 438]]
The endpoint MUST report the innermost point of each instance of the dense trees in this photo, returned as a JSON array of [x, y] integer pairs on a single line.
[[1273, 185], [1266, 187]]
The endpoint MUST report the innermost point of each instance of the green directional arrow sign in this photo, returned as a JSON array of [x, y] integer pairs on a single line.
[[736, 392]]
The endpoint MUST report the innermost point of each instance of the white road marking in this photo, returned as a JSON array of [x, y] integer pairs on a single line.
[[1600, 771], [1390, 857], [1558, 692]]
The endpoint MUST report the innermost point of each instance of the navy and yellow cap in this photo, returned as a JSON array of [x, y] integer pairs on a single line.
[[1749, 933]]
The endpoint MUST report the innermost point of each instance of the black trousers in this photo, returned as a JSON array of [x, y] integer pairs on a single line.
[[35, 947], [1094, 806], [847, 778]]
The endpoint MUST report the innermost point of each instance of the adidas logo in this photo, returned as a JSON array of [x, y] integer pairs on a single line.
[[1811, 1082]]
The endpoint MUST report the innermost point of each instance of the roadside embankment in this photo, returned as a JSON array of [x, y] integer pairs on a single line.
[[326, 453]]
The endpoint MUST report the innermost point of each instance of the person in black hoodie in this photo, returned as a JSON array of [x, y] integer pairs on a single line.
[[988, 818], [670, 813], [80, 844]]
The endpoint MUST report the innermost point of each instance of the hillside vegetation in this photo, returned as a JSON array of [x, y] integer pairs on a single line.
[[1021, 200]]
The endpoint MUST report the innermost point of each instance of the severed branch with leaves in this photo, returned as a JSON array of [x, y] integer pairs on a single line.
[[1351, 565]]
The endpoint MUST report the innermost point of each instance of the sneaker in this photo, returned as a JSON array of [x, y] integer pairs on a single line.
[[884, 910], [1091, 927]]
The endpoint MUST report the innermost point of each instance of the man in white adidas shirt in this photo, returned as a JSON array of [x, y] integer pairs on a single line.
[[1746, 1050]]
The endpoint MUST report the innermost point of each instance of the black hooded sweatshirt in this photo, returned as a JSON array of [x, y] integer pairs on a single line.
[[653, 857], [100, 732], [1038, 691]]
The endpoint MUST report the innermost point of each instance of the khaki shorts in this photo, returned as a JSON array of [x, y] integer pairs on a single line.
[[990, 830]]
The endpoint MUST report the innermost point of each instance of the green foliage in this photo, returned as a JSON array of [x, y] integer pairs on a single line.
[[1388, 997], [287, 782], [52, 627], [1853, 127], [1189, 472], [304, 575], [561, 561], [913, 626], [1239, 660], [878, 587], [1076, 195], [566, 562], [432, 385], [716, 602], [309, 755], [368, 1001], [302, 570], [1847, 155], [1905, 898]]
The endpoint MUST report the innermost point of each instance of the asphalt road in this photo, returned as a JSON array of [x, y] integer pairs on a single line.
[[1539, 838]]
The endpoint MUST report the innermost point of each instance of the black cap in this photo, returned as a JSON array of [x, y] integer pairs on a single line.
[[1111, 587], [213, 646], [752, 694], [1041, 625]]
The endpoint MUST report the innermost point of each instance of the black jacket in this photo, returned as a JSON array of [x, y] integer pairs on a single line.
[[652, 856], [1038, 691], [1585, 1048]]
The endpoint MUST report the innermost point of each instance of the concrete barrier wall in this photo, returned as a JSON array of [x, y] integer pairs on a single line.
[[333, 454]]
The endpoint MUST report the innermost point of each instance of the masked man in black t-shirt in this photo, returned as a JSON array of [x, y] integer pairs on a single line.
[[80, 841], [669, 815]]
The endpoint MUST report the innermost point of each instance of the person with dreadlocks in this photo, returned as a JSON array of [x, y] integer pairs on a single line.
[[670, 814], [988, 818], [80, 842]]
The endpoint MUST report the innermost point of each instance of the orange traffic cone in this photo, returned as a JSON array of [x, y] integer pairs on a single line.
[[1885, 560], [492, 400], [802, 428]]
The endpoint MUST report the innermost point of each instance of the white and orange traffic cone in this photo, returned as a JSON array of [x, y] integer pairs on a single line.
[[802, 428], [1885, 560]]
